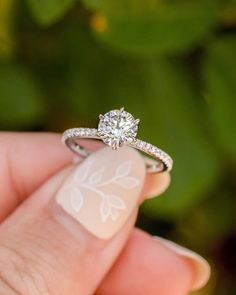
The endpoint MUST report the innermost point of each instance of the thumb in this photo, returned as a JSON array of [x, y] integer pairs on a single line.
[[66, 236]]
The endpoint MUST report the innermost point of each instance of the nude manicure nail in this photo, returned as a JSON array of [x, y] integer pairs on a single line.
[[102, 192], [201, 266]]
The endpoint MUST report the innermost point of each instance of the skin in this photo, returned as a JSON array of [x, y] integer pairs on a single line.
[[32, 167]]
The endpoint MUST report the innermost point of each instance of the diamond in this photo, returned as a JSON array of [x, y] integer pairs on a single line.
[[117, 127], [142, 144], [153, 149], [148, 146]]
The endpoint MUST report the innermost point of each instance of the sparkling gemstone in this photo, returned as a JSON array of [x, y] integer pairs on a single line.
[[117, 127]]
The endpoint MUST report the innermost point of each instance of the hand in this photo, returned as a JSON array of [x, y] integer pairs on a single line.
[[68, 228]]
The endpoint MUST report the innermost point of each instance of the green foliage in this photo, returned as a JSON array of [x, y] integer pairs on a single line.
[[6, 38], [172, 63], [219, 71], [178, 128], [47, 12], [155, 27], [20, 100]]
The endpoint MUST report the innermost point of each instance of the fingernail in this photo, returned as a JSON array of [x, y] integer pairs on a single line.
[[103, 190], [200, 265]]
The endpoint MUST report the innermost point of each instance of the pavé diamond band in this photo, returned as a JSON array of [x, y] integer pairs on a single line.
[[117, 128]]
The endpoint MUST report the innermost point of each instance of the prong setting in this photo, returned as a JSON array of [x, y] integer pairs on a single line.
[[117, 128], [137, 121]]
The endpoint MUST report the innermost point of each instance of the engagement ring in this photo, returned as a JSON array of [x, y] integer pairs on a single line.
[[116, 129]]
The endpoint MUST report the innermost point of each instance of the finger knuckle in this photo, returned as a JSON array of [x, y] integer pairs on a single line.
[[22, 273]]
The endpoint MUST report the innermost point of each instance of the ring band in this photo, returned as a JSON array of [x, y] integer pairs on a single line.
[[117, 128]]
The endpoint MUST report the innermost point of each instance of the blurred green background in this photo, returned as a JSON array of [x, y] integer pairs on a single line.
[[172, 63]]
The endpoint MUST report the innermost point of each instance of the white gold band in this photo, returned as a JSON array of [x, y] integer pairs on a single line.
[[163, 161]]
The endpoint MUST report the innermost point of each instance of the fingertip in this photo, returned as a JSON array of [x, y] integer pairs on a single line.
[[156, 184], [200, 266]]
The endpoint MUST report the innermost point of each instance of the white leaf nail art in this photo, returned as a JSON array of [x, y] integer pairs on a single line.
[[105, 209], [128, 182], [82, 172], [111, 205], [123, 169], [76, 199], [96, 177], [116, 202]]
